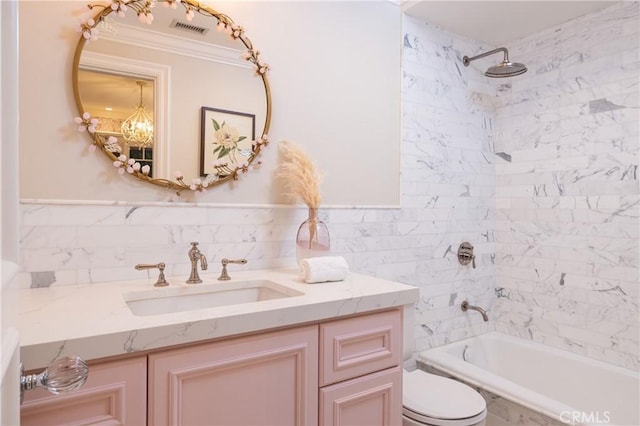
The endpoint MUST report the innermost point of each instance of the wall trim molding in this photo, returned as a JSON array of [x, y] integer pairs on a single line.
[[54, 202]]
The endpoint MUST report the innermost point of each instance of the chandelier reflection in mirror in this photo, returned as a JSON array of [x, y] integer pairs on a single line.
[[139, 132], [138, 128]]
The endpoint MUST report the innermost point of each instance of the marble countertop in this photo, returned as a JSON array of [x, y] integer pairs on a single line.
[[93, 321]]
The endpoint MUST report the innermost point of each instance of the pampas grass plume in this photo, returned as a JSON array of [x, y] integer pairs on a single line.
[[299, 175]]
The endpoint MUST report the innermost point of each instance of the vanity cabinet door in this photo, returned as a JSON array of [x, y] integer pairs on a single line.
[[115, 394], [374, 399], [267, 379]]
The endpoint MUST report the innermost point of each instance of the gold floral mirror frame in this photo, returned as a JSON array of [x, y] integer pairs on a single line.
[[224, 172]]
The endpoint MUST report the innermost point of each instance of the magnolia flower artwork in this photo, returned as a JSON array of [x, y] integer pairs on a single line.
[[226, 139]]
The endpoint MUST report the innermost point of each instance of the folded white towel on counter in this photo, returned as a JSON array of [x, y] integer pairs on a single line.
[[323, 269]]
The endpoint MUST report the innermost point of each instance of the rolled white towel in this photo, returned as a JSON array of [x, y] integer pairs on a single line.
[[323, 269]]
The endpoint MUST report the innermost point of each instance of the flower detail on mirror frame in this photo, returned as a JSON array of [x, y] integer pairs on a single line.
[[247, 55], [242, 167], [223, 169], [198, 185], [129, 165], [88, 30], [86, 123], [133, 166], [234, 31], [144, 11], [119, 163], [263, 140], [119, 7], [173, 4], [261, 69], [252, 56]]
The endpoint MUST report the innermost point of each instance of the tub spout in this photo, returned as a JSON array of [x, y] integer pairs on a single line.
[[465, 306]]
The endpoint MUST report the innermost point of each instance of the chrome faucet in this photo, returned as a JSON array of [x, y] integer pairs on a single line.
[[224, 275], [194, 256], [465, 306]]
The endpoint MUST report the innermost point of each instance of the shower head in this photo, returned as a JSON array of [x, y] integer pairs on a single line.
[[503, 69], [506, 69]]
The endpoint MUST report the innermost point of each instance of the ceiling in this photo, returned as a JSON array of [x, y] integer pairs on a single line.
[[499, 22]]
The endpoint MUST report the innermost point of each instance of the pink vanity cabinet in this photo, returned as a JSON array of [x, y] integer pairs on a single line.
[[341, 372], [115, 394]]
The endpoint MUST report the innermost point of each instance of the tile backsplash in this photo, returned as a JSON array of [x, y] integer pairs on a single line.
[[538, 172], [69, 244]]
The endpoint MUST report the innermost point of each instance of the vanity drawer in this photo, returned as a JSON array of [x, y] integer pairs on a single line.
[[357, 346]]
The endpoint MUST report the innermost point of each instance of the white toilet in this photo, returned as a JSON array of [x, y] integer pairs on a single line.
[[428, 399]]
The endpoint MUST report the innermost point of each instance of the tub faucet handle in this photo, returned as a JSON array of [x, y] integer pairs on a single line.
[[465, 254]]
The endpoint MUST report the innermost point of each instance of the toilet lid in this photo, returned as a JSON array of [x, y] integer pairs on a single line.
[[439, 397]]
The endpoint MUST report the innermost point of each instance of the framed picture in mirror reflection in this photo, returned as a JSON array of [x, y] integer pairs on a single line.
[[226, 138]]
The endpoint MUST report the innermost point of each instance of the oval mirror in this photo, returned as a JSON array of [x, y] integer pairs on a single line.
[[173, 92]]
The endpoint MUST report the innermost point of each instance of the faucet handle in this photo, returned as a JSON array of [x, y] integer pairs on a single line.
[[224, 275], [465, 254], [226, 261], [161, 281]]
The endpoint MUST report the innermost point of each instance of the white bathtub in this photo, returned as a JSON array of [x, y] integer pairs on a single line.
[[569, 388]]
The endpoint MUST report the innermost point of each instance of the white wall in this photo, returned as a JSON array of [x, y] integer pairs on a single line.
[[335, 78]]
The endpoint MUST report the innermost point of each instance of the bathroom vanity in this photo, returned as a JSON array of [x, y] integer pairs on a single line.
[[323, 354]]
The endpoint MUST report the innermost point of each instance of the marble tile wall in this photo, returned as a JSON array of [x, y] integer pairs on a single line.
[[448, 182], [567, 222], [538, 173]]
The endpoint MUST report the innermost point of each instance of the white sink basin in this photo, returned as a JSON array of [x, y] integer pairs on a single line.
[[202, 296]]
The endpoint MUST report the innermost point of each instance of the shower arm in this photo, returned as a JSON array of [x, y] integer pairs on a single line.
[[466, 60]]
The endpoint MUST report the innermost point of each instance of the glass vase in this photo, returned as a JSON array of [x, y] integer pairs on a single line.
[[312, 239]]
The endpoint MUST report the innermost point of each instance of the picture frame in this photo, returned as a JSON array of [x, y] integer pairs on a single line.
[[225, 137]]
